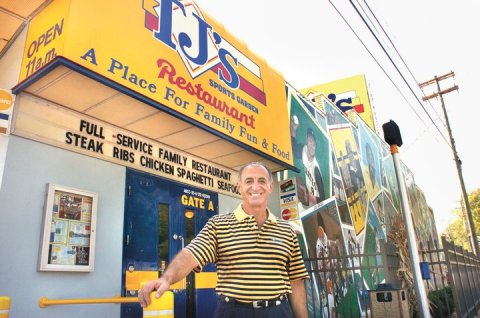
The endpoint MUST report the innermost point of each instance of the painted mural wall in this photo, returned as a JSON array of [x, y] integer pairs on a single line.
[[345, 197]]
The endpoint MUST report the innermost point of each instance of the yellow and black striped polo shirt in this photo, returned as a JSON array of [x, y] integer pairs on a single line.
[[252, 263]]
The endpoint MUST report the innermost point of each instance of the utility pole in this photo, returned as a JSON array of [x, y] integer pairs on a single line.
[[458, 162]]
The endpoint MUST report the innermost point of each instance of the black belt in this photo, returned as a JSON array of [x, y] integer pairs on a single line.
[[257, 303]]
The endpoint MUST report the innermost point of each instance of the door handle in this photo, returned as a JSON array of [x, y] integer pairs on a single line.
[[179, 237]]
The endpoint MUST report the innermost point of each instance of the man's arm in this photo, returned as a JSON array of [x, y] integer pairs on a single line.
[[298, 298], [179, 268]]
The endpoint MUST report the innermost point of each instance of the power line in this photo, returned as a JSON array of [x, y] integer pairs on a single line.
[[396, 50], [396, 67], [390, 40], [378, 63], [371, 22]]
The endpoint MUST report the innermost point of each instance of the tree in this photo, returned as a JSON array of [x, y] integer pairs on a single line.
[[456, 231], [474, 200]]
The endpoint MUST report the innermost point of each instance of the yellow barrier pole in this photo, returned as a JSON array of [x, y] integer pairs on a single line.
[[45, 302], [160, 307], [5, 306]]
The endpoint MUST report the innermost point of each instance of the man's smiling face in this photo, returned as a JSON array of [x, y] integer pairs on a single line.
[[255, 187]]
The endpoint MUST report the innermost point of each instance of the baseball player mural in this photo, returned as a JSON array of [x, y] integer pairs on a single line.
[[310, 147], [346, 198]]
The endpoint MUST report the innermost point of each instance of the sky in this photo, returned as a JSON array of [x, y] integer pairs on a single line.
[[310, 43]]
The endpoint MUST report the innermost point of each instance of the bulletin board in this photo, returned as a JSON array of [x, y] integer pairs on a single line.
[[68, 230]]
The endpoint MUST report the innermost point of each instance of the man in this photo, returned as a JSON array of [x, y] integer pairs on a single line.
[[325, 251], [371, 163], [354, 166], [356, 173], [324, 248], [373, 186], [313, 177], [352, 244], [259, 264]]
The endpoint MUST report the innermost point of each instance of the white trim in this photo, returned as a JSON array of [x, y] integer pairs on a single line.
[[149, 313]]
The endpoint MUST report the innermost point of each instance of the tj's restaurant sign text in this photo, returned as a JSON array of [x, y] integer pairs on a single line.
[[170, 55]]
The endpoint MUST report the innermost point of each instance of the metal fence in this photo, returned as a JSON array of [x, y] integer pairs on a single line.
[[454, 273], [339, 285]]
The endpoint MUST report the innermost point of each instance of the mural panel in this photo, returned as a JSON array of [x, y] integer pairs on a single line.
[[346, 152], [347, 197], [311, 149]]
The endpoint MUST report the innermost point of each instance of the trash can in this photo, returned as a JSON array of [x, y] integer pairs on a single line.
[[389, 302]]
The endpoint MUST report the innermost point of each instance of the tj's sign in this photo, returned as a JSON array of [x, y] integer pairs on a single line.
[[199, 51]]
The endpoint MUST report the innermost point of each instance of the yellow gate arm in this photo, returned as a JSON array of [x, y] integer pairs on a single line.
[[45, 302]]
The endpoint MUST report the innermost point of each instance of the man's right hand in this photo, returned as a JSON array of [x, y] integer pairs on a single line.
[[161, 285], [182, 264]]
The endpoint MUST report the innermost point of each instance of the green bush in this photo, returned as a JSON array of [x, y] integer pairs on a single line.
[[439, 300]]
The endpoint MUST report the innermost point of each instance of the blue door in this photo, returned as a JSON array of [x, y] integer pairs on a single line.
[[161, 217]]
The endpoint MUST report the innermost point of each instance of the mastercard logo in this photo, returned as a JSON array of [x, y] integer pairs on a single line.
[[288, 214]]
